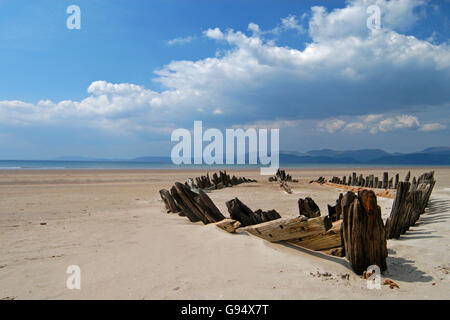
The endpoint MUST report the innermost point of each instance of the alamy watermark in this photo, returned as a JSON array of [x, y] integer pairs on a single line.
[[74, 20], [374, 20], [74, 280], [214, 152], [373, 277]]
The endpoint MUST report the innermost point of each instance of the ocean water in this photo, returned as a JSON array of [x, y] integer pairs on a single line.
[[108, 165]]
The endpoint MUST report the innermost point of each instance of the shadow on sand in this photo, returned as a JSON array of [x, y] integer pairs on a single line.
[[438, 210], [402, 269]]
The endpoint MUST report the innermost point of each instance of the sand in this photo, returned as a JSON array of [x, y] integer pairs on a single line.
[[113, 225]]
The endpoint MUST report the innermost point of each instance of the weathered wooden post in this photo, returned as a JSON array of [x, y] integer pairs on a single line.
[[395, 221], [308, 208], [363, 231], [385, 180], [408, 175], [169, 202]]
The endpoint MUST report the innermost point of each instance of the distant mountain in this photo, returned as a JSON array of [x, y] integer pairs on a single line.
[[363, 155], [294, 159], [429, 156], [437, 150]]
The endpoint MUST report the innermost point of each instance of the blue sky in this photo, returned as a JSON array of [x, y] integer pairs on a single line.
[[136, 70]]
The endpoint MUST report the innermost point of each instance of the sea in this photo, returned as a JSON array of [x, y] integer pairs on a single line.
[[111, 165]]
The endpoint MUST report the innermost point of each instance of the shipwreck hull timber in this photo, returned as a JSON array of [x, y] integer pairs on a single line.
[[353, 228], [229, 225], [289, 228], [323, 241]]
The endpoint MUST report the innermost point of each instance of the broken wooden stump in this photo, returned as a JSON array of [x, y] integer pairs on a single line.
[[363, 231], [169, 202], [196, 206], [334, 212], [187, 198], [240, 212], [185, 209], [210, 209], [408, 176], [308, 208], [385, 180]]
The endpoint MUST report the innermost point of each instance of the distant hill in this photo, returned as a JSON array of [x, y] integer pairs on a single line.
[[429, 156], [363, 155], [288, 158]]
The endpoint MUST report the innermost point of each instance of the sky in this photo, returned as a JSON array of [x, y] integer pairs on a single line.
[[137, 70]]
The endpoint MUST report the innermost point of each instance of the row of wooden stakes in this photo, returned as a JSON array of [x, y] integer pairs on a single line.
[[410, 202], [369, 181]]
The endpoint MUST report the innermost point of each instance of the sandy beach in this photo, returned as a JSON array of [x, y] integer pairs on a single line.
[[113, 225]]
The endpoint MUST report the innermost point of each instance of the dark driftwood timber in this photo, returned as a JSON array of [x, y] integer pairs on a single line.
[[267, 215], [169, 202], [394, 223], [184, 208], [385, 180], [196, 206], [363, 231], [335, 212], [289, 228], [408, 175], [320, 180], [212, 212], [308, 208], [281, 175], [240, 212], [285, 187], [332, 212], [187, 197]]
